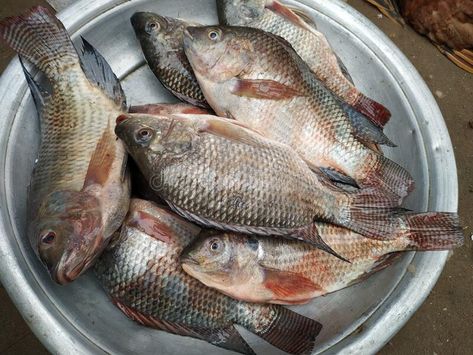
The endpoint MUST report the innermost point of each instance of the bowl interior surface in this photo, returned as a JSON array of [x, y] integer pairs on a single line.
[[83, 303]]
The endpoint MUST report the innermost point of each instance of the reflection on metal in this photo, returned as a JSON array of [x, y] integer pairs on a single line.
[[60, 5], [79, 319]]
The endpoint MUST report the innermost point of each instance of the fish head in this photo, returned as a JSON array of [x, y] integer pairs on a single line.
[[240, 12], [150, 138], [68, 231], [219, 260], [218, 53], [157, 34]]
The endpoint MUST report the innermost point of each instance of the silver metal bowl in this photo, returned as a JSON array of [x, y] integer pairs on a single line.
[[78, 318]]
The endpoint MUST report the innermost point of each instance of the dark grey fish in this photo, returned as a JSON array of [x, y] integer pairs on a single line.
[[161, 39]]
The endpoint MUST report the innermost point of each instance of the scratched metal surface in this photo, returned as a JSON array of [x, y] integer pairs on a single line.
[[78, 318]]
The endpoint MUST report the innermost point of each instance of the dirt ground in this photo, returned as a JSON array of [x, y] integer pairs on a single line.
[[444, 323]]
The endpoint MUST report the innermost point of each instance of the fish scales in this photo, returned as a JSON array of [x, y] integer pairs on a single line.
[[141, 272], [255, 78], [283, 271]]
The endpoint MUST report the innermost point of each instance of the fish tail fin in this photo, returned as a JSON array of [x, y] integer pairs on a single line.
[[388, 177], [372, 213], [434, 231], [375, 111], [290, 331], [41, 38]]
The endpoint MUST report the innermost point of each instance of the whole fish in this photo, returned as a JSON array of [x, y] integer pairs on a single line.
[[161, 40], [142, 274], [313, 47], [219, 174], [79, 190], [255, 78], [262, 269]]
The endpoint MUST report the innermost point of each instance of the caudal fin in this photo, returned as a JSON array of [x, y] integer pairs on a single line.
[[376, 112], [434, 231], [372, 213], [290, 332], [387, 176], [41, 38]]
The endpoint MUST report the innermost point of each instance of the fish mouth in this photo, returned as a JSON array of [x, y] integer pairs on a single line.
[[64, 276], [188, 260], [70, 267], [138, 21]]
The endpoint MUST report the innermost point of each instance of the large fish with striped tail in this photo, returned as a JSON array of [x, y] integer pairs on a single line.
[[220, 174], [142, 274], [79, 190]]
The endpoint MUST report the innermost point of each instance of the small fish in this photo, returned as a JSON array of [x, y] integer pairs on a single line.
[[300, 31], [79, 191], [255, 78], [263, 269], [142, 274], [161, 41]]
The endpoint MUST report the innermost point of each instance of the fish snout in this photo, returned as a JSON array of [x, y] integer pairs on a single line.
[[139, 21]]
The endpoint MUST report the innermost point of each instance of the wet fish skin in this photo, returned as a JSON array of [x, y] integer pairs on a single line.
[[313, 47], [219, 174], [255, 78], [161, 41], [79, 190], [281, 271], [142, 274]]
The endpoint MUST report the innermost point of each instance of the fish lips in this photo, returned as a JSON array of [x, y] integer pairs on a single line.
[[71, 266], [120, 128]]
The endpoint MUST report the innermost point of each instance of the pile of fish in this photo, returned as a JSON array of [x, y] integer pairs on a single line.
[[267, 188]]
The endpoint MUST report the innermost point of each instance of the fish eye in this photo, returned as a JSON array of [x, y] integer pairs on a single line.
[[215, 245], [153, 26], [144, 135], [214, 35], [48, 238]]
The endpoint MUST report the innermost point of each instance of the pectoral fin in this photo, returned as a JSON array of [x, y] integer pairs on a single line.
[[288, 285], [101, 161]]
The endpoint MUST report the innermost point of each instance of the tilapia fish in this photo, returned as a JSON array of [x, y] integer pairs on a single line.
[[217, 173], [262, 269], [313, 47], [142, 274], [255, 78], [79, 191], [161, 40]]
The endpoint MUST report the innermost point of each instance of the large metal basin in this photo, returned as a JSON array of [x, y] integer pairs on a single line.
[[78, 318]]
